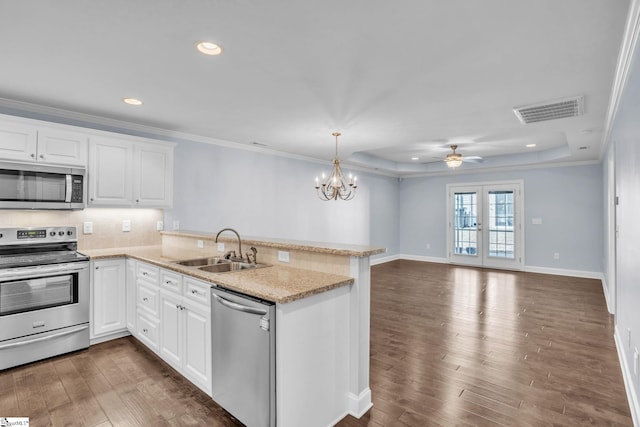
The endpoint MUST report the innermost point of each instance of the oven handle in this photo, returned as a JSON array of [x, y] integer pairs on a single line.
[[48, 337], [25, 272], [69, 189]]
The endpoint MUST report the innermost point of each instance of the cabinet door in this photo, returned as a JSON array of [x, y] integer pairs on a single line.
[[170, 330], [153, 175], [18, 142], [131, 296], [110, 171], [109, 297], [65, 148], [197, 349]]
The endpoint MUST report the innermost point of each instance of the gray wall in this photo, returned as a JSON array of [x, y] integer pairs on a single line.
[[625, 136], [265, 195], [568, 199]]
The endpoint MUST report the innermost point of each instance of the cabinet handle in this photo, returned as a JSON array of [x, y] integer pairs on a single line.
[[169, 282], [194, 291], [92, 199], [145, 299], [137, 201], [33, 156], [145, 330], [97, 267], [41, 156], [144, 273]]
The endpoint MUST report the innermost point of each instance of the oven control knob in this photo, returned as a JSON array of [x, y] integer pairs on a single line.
[[60, 233], [53, 233], [69, 233], [0, 235]]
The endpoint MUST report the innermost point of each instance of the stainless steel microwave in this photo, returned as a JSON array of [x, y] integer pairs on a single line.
[[32, 186]]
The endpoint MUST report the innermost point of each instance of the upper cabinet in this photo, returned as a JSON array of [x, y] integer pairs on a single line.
[[37, 144], [130, 173]]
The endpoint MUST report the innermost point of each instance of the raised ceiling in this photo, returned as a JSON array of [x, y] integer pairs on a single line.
[[398, 79]]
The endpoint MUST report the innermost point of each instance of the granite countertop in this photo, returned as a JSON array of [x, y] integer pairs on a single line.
[[276, 283], [300, 245]]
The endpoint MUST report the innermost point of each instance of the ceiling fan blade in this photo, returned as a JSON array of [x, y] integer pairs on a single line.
[[473, 159]]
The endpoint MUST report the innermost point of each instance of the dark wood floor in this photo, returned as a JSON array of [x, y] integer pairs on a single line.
[[450, 346]]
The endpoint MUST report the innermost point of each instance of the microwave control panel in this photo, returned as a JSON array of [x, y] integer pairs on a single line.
[[76, 189]]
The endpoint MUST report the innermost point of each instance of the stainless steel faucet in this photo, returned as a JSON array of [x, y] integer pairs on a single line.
[[235, 257]]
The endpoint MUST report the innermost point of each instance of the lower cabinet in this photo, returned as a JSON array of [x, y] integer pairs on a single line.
[[185, 334], [168, 312], [108, 297]]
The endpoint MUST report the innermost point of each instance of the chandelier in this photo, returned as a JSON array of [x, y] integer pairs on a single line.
[[335, 186]]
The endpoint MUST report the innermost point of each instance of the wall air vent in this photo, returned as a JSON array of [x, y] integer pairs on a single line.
[[559, 109]]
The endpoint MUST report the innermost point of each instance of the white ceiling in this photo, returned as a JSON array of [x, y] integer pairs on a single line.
[[398, 79]]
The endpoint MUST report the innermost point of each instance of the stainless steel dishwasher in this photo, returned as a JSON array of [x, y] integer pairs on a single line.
[[243, 357]]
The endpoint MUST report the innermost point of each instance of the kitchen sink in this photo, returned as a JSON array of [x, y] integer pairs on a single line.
[[219, 265], [197, 262], [231, 266]]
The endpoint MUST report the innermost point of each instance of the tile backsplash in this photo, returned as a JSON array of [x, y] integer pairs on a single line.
[[107, 225]]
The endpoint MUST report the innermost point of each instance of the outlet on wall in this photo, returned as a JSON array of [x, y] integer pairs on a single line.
[[87, 227], [220, 247], [176, 225], [283, 256], [159, 226], [126, 225], [201, 244], [428, 245]]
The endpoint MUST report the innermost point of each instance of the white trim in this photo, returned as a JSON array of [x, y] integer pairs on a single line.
[[423, 258], [625, 56], [627, 377], [605, 290], [109, 337], [383, 260], [360, 404], [563, 272]]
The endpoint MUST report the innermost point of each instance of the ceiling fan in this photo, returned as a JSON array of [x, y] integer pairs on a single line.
[[453, 159]]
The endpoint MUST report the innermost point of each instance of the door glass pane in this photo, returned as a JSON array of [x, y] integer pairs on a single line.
[[465, 234], [501, 220]]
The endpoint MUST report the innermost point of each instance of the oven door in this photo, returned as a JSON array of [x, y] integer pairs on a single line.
[[43, 298]]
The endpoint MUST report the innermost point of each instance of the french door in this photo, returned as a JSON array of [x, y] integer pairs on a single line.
[[485, 225]]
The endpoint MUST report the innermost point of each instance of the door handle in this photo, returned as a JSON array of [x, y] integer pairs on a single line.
[[239, 307]]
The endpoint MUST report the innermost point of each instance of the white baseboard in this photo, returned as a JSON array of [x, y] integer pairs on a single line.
[[109, 337], [627, 377], [563, 272], [382, 260], [605, 290], [360, 404], [423, 258]]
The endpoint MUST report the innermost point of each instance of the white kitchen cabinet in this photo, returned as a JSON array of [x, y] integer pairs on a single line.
[[62, 147], [18, 142], [131, 297], [130, 173], [110, 172], [147, 312], [43, 145], [185, 329], [108, 296], [153, 175]]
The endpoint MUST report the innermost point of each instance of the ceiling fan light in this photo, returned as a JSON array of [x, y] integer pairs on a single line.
[[453, 162]]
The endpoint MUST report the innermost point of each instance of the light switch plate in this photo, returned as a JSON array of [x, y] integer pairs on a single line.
[[87, 227], [201, 244], [126, 225], [220, 247], [159, 226], [176, 225], [536, 221]]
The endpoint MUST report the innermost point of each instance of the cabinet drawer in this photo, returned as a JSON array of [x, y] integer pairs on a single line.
[[195, 290], [171, 281], [148, 297], [147, 272], [148, 331]]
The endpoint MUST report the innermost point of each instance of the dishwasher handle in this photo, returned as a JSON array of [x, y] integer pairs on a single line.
[[239, 307]]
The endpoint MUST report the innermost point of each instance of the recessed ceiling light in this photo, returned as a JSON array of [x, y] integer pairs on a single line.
[[132, 101], [208, 48], [415, 158], [530, 145]]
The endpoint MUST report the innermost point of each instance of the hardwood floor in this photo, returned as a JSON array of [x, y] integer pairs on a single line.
[[450, 346], [466, 346]]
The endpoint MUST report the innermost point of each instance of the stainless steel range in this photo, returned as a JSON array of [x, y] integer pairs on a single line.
[[44, 294]]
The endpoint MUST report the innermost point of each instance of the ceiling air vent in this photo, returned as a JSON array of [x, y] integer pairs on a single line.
[[559, 109]]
